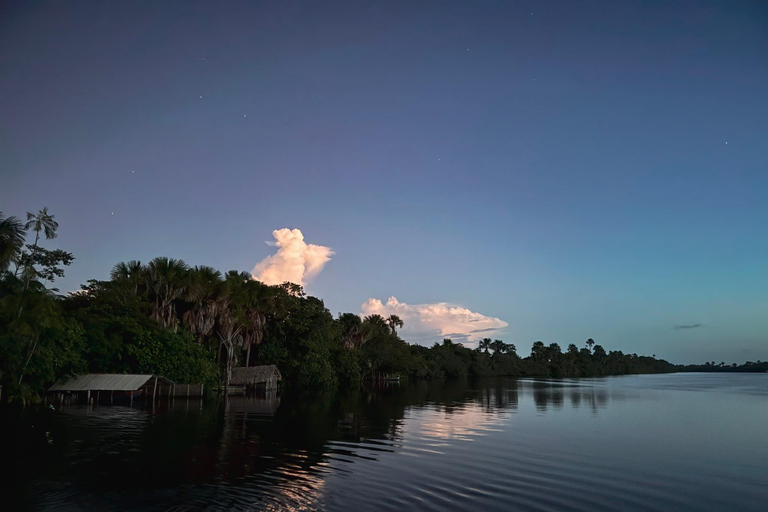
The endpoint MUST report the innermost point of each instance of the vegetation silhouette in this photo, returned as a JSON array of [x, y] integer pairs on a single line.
[[194, 324]]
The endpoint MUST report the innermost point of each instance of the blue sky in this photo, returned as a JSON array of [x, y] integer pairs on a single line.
[[561, 166]]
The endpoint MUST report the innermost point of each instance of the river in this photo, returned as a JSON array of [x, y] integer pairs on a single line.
[[632, 443]]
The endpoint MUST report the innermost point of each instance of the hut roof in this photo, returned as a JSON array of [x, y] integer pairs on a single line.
[[105, 382], [254, 374]]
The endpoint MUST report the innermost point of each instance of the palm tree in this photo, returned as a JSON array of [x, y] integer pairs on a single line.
[[167, 279], [394, 322], [11, 240], [352, 333], [203, 292], [590, 343], [375, 325], [484, 344], [498, 347], [131, 275], [232, 318], [42, 222], [257, 299]]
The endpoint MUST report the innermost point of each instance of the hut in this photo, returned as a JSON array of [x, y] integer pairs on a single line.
[[248, 379], [92, 386]]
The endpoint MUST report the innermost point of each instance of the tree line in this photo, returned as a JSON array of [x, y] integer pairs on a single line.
[[194, 324], [748, 367]]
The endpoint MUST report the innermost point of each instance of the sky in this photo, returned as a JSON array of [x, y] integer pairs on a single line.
[[525, 171]]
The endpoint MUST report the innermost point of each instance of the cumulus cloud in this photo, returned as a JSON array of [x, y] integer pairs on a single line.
[[429, 323], [295, 261], [692, 326]]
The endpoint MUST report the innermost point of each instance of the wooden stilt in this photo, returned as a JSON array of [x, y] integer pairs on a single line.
[[88, 397], [111, 397]]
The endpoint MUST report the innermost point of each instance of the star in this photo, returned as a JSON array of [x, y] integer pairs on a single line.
[[112, 213], [201, 97], [244, 115], [726, 142]]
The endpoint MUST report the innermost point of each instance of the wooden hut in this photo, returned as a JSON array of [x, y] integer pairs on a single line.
[[98, 387], [249, 378]]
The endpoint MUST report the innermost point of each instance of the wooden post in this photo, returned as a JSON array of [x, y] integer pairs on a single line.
[[88, 398], [131, 398], [154, 392], [98, 397], [187, 390], [111, 397]]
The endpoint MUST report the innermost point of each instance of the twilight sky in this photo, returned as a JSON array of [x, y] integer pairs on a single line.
[[525, 170]]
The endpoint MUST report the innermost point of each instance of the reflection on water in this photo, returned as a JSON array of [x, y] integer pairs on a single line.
[[666, 442]]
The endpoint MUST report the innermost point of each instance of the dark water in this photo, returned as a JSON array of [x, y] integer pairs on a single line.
[[638, 443]]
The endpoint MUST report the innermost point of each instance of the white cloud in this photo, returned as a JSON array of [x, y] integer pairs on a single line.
[[295, 260], [429, 323]]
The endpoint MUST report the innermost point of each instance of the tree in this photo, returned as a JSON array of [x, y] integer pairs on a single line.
[[484, 344], [44, 222], [167, 280], [131, 275], [394, 322], [498, 346], [11, 240], [590, 343], [352, 335], [539, 352], [232, 319], [255, 303]]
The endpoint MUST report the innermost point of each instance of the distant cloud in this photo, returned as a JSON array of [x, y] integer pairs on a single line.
[[692, 326], [295, 260], [429, 323]]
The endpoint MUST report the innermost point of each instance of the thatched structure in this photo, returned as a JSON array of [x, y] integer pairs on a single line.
[[254, 376]]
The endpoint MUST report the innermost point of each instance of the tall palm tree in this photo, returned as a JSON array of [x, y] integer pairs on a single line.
[[258, 301], [11, 240], [590, 343], [484, 344], [132, 275], [44, 222], [498, 346], [394, 322], [203, 292], [167, 280], [232, 318]]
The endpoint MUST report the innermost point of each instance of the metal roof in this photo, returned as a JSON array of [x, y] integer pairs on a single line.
[[105, 382]]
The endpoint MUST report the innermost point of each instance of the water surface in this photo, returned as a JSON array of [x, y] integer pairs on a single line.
[[656, 442]]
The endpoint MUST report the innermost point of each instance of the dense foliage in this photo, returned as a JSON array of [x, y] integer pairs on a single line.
[[748, 367], [194, 324]]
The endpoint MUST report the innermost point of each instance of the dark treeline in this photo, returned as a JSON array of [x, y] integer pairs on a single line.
[[194, 324], [748, 367]]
